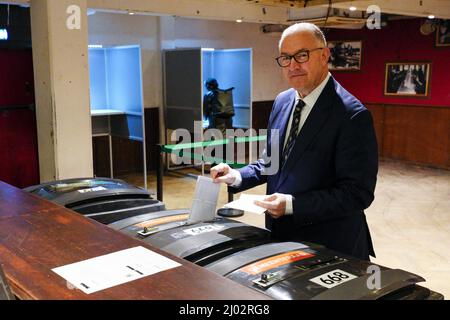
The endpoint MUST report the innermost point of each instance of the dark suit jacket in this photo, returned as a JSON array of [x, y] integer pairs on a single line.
[[331, 172]]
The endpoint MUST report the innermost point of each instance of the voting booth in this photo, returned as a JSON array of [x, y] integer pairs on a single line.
[[185, 73], [117, 106]]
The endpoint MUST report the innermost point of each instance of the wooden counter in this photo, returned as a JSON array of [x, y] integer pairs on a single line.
[[37, 236]]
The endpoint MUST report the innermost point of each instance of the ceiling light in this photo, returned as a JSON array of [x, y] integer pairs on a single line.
[[352, 8], [431, 16], [239, 20], [131, 13]]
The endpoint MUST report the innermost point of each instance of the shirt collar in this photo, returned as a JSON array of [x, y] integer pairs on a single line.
[[311, 98]]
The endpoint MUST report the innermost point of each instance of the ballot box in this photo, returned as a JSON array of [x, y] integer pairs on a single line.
[[298, 271], [201, 243], [102, 199]]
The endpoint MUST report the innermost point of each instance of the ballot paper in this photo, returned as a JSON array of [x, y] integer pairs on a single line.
[[116, 268], [204, 202], [246, 203]]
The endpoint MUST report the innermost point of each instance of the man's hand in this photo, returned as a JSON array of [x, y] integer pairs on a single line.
[[275, 205], [222, 173]]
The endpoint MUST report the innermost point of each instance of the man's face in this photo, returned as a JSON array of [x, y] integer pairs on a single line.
[[306, 76]]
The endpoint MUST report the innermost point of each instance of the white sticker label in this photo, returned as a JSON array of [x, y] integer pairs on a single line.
[[92, 190], [203, 229], [333, 278]]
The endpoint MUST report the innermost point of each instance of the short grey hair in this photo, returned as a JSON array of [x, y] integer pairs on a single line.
[[304, 26]]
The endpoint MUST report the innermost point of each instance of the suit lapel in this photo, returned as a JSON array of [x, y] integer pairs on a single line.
[[316, 120]]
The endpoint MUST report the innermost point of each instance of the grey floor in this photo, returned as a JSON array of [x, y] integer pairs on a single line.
[[409, 219]]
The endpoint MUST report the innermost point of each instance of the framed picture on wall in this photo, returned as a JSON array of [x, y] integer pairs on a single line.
[[345, 55], [443, 33], [407, 79]]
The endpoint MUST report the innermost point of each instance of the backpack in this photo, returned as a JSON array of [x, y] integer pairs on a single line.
[[225, 98]]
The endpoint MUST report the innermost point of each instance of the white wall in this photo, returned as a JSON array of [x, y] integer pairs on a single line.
[[123, 29]]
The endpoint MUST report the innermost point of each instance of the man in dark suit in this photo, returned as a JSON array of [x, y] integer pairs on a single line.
[[328, 154]]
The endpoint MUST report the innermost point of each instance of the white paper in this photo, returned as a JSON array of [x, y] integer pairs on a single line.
[[203, 229], [246, 203], [116, 268], [204, 203]]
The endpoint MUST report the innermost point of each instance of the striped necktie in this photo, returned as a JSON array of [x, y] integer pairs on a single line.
[[293, 132]]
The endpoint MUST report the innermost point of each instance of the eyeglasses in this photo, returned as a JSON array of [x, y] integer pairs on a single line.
[[301, 56]]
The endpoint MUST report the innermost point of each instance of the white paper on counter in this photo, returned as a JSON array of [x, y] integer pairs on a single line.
[[116, 268], [246, 203]]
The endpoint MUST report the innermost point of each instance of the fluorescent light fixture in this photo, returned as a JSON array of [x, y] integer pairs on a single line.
[[352, 8], [207, 49], [4, 34], [431, 16], [239, 20], [131, 13], [95, 46]]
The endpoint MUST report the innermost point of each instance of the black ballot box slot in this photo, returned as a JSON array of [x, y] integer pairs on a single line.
[[108, 210], [237, 238], [70, 192], [201, 243], [294, 271], [102, 199], [159, 220]]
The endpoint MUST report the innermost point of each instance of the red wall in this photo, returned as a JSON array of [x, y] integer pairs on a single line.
[[18, 148], [400, 41], [18, 134], [16, 70]]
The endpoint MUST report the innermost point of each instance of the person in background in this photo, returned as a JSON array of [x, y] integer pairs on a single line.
[[213, 109]]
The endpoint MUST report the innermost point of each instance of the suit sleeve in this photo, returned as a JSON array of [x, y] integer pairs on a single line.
[[356, 168]]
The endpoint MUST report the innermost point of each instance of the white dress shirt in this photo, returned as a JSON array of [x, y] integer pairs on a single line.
[[310, 100]]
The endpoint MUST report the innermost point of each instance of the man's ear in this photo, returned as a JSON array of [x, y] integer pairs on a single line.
[[325, 55]]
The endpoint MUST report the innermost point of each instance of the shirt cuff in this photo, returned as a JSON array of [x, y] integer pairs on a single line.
[[238, 179], [289, 205]]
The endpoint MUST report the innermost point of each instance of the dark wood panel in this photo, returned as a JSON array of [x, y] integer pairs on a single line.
[[261, 113], [127, 156], [417, 134], [100, 152], [37, 236], [377, 112], [152, 135]]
